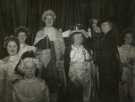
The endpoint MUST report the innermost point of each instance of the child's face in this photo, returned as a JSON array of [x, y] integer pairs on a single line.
[[29, 65], [78, 39]]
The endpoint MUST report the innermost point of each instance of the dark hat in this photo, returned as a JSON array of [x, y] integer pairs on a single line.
[[105, 19]]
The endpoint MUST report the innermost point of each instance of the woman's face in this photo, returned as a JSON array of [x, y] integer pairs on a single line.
[[106, 27], [96, 28], [29, 63], [22, 37], [49, 20], [78, 39], [12, 48], [128, 38]]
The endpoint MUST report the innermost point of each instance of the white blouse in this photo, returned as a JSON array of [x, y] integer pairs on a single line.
[[79, 54]]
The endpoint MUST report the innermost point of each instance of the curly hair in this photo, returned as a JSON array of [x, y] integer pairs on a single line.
[[48, 12], [9, 39], [22, 29]]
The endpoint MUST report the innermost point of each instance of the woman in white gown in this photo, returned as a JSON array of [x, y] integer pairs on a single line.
[[127, 57], [8, 67]]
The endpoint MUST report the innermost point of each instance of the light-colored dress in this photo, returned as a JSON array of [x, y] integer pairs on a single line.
[[51, 54], [127, 57], [31, 90], [8, 77], [80, 70]]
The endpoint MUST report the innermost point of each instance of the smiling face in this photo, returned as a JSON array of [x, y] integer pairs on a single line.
[[49, 20], [22, 36], [12, 48], [106, 27]]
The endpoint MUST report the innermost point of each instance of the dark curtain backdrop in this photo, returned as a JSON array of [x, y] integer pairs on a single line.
[[14, 13]]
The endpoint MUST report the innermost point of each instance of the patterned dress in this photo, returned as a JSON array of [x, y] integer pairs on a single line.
[[80, 70]]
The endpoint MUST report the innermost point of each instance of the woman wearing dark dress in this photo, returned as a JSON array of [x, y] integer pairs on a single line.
[[109, 69]]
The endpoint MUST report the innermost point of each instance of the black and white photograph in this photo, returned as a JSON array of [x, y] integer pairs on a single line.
[[67, 50]]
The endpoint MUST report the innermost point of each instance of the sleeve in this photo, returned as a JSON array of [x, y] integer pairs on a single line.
[[37, 37]]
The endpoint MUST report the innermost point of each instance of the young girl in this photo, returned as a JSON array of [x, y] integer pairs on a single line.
[[127, 56], [80, 64], [30, 89]]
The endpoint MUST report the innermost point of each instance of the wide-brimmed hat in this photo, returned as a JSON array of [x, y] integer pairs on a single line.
[[48, 13], [106, 19], [77, 29]]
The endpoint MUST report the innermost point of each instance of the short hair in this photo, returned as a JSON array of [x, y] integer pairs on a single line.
[[22, 29], [76, 33], [105, 19], [48, 13], [9, 39]]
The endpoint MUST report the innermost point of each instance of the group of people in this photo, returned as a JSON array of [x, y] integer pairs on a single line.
[[90, 68]]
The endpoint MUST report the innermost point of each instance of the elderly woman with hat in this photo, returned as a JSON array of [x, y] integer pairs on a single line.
[[79, 63], [50, 50]]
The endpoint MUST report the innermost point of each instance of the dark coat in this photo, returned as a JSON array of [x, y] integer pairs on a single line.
[[109, 69], [109, 56]]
